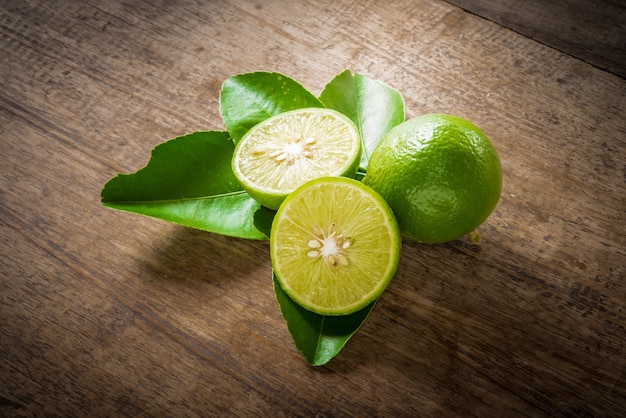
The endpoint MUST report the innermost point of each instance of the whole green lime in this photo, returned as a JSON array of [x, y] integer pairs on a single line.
[[440, 175]]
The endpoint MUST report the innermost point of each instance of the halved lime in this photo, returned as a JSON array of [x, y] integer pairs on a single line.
[[334, 245], [285, 151]]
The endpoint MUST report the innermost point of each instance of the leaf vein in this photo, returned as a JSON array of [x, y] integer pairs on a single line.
[[209, 197]]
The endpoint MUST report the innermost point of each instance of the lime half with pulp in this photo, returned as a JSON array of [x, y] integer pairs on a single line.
[[334, 245], [285, 151]]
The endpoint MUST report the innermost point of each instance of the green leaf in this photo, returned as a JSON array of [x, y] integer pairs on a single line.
[[319, 338], [263, 219], [247, 99], [189, 181], [373, 106]]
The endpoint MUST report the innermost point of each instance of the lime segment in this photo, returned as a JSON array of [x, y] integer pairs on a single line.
[[287, 150], [335, 245]]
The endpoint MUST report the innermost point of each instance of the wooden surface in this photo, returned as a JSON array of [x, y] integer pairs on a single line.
[[104, 313], [593, 31]]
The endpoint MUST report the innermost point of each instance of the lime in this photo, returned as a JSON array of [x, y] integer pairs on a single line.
[[334, 245], [289, 149], [439, 173]]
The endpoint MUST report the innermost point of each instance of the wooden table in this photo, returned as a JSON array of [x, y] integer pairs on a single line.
[[106, 313]]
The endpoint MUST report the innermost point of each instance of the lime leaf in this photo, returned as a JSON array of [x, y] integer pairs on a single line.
[[263, 219], [319, 338], [189, 181], [247, 99], [373, 106]]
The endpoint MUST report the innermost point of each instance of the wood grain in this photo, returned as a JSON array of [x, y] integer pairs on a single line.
[[593, 31], [105, 313]]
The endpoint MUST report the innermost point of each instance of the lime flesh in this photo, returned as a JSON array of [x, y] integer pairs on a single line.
[[335, 245], [287, 150]]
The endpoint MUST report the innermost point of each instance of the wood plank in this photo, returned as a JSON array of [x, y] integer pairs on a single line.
[[106, 313], [593, 31]]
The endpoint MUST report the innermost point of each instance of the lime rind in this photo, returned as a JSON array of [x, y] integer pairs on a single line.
[[362, 234], [287, 150], [440, 174]]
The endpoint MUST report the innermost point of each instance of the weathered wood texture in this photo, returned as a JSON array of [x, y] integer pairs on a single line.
[[105, 313], [594, 31]]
